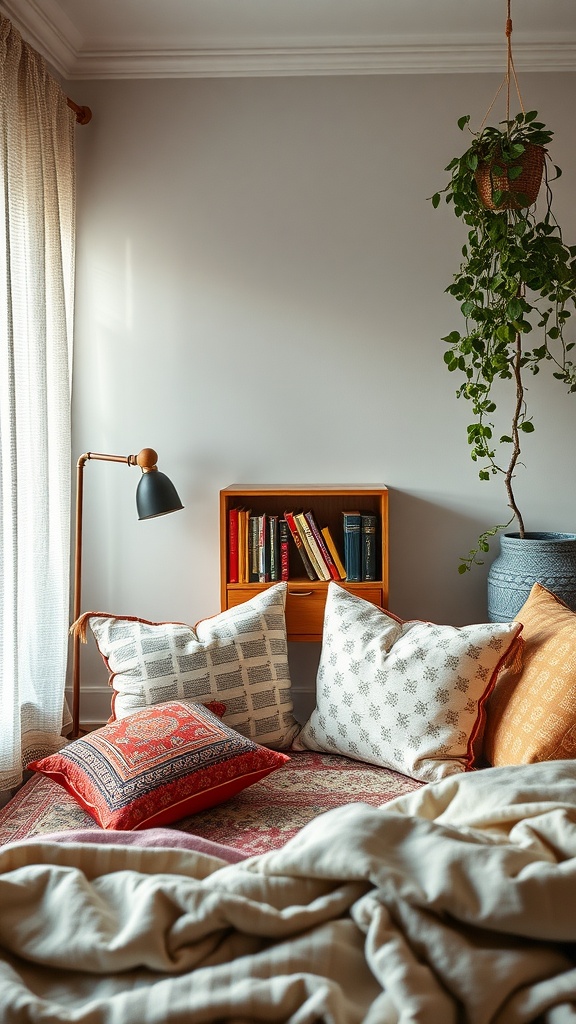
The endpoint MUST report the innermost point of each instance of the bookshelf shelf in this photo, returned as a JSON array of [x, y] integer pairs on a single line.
[[306, 598]]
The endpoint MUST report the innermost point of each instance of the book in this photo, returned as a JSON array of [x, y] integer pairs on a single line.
[[329, 540], [289, 517], [274, 548], [243, 516], [368, 546], [329, 561], [263, 549], [352, 522], [253, 574], [309, 542], [284, 534], [233, 545]]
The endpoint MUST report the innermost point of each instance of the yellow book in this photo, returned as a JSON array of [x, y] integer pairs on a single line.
[[243, 564], [325, 531], [311, 546]]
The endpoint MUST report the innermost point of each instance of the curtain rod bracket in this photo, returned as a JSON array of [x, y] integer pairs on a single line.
[[83, 114]]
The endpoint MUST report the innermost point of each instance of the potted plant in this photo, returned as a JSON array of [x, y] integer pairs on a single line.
[[515, 288]]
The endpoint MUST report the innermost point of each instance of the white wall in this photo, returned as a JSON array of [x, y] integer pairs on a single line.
[[260, 297]]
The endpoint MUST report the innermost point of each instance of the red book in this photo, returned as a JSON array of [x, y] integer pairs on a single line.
[[322, 545], [284, 550], [233, 545], [310, 572]]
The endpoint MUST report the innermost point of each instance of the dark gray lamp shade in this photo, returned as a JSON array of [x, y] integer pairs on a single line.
[[156, 495]]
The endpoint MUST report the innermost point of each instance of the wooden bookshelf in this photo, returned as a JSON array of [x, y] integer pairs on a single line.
[[306, 598]]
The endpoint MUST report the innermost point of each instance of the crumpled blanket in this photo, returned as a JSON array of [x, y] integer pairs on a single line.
[[452, 904]]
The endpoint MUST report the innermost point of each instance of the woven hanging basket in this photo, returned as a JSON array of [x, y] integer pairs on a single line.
[[525, 187]]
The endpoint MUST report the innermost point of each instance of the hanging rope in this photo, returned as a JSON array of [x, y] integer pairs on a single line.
[[510, 69], [510, 73]]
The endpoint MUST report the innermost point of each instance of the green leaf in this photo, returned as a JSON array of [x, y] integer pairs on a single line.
[[436, 200], [527, 427], [514, 308], [463, 121]]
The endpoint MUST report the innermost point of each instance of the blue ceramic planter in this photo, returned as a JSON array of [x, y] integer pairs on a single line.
[[546, 558]]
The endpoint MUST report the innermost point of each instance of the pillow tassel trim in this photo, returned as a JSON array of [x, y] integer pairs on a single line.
[[80, 627]]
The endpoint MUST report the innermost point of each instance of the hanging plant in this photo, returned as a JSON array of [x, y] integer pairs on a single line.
[[516, 287]]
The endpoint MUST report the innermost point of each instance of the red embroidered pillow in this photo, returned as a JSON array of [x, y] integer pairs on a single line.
[[158, 765]]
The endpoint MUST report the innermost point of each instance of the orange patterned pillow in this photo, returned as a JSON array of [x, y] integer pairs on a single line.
[[531, 715], [159, 765]]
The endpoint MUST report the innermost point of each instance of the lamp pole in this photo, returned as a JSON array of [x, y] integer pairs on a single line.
[[157, 498]]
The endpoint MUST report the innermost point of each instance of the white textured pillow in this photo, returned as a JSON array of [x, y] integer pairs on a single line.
[[239, 657], [406, 695]]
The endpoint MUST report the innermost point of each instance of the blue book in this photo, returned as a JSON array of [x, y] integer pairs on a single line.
[[352, 545]]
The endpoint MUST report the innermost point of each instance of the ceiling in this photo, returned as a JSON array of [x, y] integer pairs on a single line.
[[209, 38]]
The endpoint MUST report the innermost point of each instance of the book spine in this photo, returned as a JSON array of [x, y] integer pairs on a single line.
[[334, 551], [263, 550], [233, 545], [253, 574], [368, 546], [274, 543], [289, 517], [242, 546], [284, 535], [309, 543], [352, 548], [328, 560]]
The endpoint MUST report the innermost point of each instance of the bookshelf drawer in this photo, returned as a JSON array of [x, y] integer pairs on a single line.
[[305, 604]]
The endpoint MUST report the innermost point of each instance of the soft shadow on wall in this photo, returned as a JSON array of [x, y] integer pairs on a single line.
[[426, 542]]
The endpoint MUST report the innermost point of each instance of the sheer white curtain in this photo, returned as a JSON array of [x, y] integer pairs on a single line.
[[36, 304]]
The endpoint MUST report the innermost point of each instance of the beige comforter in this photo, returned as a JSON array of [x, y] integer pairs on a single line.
[[456, 903]]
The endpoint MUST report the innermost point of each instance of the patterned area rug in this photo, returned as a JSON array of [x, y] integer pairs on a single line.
[[261, 818]]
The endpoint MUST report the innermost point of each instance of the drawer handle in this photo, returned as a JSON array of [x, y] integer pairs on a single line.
[[300, 593]]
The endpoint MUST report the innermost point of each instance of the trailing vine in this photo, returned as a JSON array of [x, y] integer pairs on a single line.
[[515, 283]]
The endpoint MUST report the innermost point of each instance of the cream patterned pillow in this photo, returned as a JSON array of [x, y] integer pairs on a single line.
[[406, 695], [239, 657]]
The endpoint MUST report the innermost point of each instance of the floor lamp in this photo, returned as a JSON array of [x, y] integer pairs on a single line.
[[155, 496]]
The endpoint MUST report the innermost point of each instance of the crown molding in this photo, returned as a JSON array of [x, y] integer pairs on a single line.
[[56, 38], [332, 60], [48, 31]]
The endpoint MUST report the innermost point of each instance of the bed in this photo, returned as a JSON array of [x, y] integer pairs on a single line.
[[356, 869]]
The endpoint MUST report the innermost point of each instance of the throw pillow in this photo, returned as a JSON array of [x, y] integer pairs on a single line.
[[239, 656], [158, 765], [405, 695], [531, 716]]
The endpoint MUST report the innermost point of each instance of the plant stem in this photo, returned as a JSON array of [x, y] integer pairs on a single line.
[[509, 476]]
